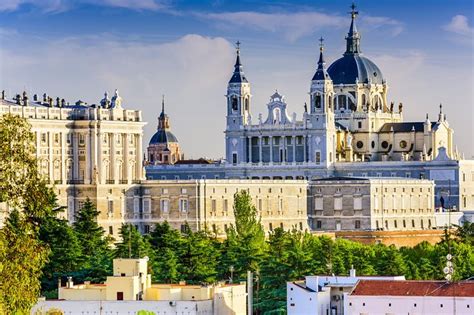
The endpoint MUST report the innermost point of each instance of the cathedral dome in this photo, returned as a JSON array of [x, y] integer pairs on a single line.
[[354, 67], [163, 136]]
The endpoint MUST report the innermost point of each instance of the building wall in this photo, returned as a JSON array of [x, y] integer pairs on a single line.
[[409, 305], [371, 204], [301, 300], [127, 307], [209, 203]]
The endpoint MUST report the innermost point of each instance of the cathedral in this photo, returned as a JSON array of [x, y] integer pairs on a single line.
[[348, 119], [348, 128]]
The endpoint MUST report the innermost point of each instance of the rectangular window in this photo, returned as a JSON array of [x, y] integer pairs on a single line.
[[110, 207], [260, 205], [319, 224], [146, 229], [214, 205], [359, 124], [111, 230], [357, 224], [164, 205], [234, 158], [183, 205], [357, 203], [226, 205], [146, 206], [81, 139], [270, 226], [136, 205], [280, 205], [318, 157], [318, 203]]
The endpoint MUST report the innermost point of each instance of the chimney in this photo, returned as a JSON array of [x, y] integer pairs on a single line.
[[352, 272]]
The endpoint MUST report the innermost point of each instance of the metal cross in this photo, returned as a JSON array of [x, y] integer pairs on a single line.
[[237, 44], [321, 40], [353, 11]]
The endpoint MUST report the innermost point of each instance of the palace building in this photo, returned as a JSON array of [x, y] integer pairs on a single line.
[[348, 130]]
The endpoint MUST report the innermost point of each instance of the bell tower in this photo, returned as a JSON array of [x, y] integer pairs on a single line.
[[238, 112], [321, 115]]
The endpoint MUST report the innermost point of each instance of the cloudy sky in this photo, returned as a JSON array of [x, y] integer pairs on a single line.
[[77, 49]]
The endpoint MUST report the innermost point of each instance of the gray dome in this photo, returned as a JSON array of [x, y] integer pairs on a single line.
[[163, 136], [350, 67]]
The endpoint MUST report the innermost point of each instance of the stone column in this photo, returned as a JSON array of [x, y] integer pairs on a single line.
[[88, 157], [139, 154], [305, 158], [51, 158], [294, 148], [250, 149], [100, 139], [259, 149], [63, 158], [75, 154], [113, 175], [93, 154], [271, 149], [126, 158]]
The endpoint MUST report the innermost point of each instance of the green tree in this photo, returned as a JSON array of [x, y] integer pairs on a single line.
[[132, 244], [166, 267], [465, 232], [199, 259], [21, 261], [244, 247], [96, 258], [287, 260], [65, 253], [30, 202]]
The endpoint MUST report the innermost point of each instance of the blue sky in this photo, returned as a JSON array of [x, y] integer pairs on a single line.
[[184, 49]]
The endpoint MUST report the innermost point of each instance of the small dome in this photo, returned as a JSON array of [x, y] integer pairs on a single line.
[[352, 67], [163, 136]]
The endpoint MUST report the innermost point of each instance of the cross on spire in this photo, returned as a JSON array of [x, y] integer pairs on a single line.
[[321, 44], [237, 45], [353, 12]]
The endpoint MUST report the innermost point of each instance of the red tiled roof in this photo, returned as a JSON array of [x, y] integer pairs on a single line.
[[414, 288]]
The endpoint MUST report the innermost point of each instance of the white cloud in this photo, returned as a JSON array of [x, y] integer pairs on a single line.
[[291, 25], [192, 72], [54, 6], [294, 25], [396, 27], [459, 24]]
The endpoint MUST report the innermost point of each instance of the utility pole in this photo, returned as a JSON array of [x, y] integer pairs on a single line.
[[249, 292]]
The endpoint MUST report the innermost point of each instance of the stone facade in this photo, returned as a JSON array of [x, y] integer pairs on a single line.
[[208, 204], [387, 204]]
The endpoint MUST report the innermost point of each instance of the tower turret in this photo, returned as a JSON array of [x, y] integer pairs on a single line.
[[321, 86], [238, 111], [353, 37]]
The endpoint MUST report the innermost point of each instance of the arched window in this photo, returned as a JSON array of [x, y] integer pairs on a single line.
[[364, 100], [235, 103], [247, 103], [330, 102], [342, 102], [317, 101], [276, 116]]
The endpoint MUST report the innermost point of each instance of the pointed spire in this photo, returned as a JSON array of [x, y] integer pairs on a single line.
[[238, 75], [163, 104], [353, 37], [441, 116], [321, 73]]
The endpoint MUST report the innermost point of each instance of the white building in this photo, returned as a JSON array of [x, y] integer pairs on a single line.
[[322, 295], [411, 297]]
